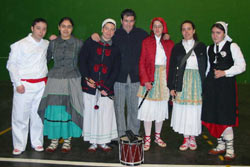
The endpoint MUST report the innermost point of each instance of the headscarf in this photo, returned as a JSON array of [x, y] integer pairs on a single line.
[[227, 38], [165, 28], [108, 20]]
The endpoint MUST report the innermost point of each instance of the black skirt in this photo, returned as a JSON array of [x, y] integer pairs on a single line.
[[219, 100]]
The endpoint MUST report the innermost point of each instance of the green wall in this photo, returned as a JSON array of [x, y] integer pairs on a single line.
[[17, 15]]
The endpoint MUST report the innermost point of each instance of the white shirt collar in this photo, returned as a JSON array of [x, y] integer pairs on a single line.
[[221, 44], [157, 39], [33, 40], [188, 44]]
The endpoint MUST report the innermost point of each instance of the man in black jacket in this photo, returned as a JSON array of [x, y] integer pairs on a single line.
[[129, 39]]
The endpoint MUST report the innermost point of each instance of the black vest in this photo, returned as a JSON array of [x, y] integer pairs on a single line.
[[224, 57]]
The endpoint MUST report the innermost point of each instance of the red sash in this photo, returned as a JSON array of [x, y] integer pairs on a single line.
[[36, 80]]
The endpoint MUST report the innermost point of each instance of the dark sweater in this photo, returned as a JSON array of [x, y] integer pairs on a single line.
[[101, 63], [178, 52], [130, 48]]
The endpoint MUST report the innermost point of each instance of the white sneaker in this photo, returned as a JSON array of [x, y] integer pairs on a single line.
[[39, 148], [185, 144], [192, 143], [16, 152]]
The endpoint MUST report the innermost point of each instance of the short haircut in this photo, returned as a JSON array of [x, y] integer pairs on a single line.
[[128, 12], [37, 20]]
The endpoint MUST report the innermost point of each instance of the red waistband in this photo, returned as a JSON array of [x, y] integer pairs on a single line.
[[36, 80]]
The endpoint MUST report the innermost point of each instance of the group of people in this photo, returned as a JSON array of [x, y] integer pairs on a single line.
[[86, 91]]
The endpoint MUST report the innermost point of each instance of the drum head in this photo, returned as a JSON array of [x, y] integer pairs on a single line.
[[125, 139]]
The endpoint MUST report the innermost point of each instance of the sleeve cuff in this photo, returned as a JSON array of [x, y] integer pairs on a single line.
[[18, 84], [227, 73]]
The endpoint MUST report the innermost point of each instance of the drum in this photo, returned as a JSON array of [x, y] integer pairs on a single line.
[[131, 153]]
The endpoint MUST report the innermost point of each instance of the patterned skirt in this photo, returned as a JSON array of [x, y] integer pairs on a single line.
[[186, 115], [155, 106], [159, 91], [191, 89], [61, 108]]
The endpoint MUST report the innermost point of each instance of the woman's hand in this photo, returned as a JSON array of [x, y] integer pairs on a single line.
[[20, 89], [166, 37], [219, 73], [104, 93], [91, 83], [148, 85], [52, 37], [95, 37], [173, 93]]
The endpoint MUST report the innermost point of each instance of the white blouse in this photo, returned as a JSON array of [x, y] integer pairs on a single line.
[[160, 57], [192, 60]]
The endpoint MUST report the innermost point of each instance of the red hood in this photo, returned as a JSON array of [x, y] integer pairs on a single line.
[[165, 28]]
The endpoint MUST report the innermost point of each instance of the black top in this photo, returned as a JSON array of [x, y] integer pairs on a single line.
[[178, 52], [130, 47], [220, 61], [100, 62]]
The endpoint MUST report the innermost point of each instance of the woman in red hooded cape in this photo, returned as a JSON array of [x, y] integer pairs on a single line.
[[153, 72]]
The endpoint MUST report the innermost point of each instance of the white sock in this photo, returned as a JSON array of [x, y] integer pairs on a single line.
[[229, 136], [147, 127], [158, 126]]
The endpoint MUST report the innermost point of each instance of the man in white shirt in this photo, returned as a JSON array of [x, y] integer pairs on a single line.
[[27, 66]]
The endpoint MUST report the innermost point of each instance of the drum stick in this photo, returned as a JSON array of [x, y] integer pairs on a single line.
[[143, 99], [98, 88]]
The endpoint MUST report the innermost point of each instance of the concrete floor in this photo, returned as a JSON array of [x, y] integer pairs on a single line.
[[169, 156]]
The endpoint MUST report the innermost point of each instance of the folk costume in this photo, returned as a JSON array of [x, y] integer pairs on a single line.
[[99, 61], [219, 110], [27, 66], [153, 68], [61, 105], [186, 114]]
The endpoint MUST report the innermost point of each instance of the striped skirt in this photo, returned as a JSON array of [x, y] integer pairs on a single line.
[[61, 108], [99, 124]]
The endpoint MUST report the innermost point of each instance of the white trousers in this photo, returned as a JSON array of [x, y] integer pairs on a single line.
[[25, 116]]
